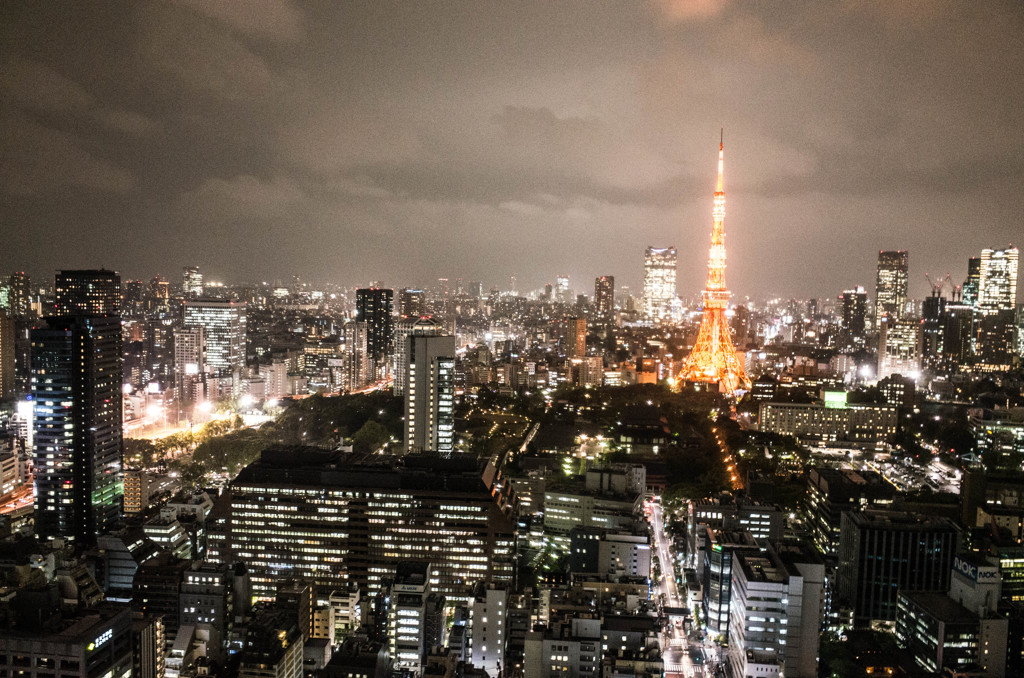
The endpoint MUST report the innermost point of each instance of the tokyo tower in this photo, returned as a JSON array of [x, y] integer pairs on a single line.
[[714, 358]]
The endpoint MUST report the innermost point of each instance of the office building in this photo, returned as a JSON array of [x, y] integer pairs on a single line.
[[96, 641], [899, 347], [273, 645], [776, 612], [148, 642], [77, 439], [830, 492], [19, 295], [958, 335], [659, 282], [335, 519], [189, 362], [860, 423], [224, 326], [562, 292], [569, 648], [959, 631], [417, 620], [576, 337], [421, 326], [411, 303], [191, 282], [883, 552], [88, 293], [7, 354], [891, 286], [489, 628], [604, 298], [374, 307], [716, 589], [853, 304], [933, 326], [356, 365], [996, 306], [430, 395], [972, 285]]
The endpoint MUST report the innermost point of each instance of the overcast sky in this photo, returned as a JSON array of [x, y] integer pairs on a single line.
[[403, 142]]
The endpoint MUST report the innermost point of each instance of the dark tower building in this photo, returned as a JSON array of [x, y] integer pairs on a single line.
[[604, 297], [854, 307], [890, 285], [883, 552], [411, 303], [957, 335], [933, 325], [373, 307], [19, 290], [973, 283], [88, 293], [78, 446]]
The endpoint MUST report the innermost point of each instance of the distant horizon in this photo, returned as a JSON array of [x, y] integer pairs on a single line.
[[351, 142]]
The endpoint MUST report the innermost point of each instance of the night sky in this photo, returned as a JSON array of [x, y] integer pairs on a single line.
[[351, 142]]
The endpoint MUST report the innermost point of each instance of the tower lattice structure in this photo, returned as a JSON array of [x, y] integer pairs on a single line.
[[714, 358]]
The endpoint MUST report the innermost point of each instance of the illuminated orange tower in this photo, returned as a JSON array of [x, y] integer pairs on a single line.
[[714, 358]]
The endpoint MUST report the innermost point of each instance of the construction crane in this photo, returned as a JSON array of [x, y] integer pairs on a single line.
[[937, 287]]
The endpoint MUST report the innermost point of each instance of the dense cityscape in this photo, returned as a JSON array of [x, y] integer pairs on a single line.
[[356, 340]]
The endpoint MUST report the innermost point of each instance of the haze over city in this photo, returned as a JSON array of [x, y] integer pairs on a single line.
[[406, 142]]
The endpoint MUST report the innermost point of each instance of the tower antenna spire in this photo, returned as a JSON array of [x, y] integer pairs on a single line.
[[721, 140]]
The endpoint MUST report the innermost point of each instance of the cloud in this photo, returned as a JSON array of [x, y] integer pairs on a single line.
[[243, 198], [681, 10], [202, 57], [34, 87], [39, 160], [274, 19]]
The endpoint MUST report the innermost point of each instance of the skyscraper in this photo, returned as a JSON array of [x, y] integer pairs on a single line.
[[933, 326], [418, 326], [373, 307], [430, 394], [854, 311], [713, 358], [576, 337], [659, 282], [6, 354], [604, 298], [562, 292], [88, 292], [78, 446], [19, 294], [411, 303], [996, 308], [890, 285], [191, 282], [224, 324], [899, 347], [973, 281]]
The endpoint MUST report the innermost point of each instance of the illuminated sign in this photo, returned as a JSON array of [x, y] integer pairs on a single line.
[[973, 572], [835, 399], [101, 640]]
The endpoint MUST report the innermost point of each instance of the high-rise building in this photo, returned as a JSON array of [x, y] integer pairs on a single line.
[[776, 605], [853, 304], [972, 284], [19, 294], [403, 330], [189, 360], [359, 517], [224, 324], [883, 552], [373, 307], [489, 628], [77, 447], [659, 282], [411, 303], [576, 337], [191, 282], [714, 358], [933, 327], [357, 369], [958, 335], [7, 353], [417, 621], [891, 285], [997, 304], [88, 293], [899, 347], [562, 292], [604, 298], [430, 395]]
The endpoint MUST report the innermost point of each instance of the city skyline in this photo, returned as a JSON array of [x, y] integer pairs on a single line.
[[309, 140]]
